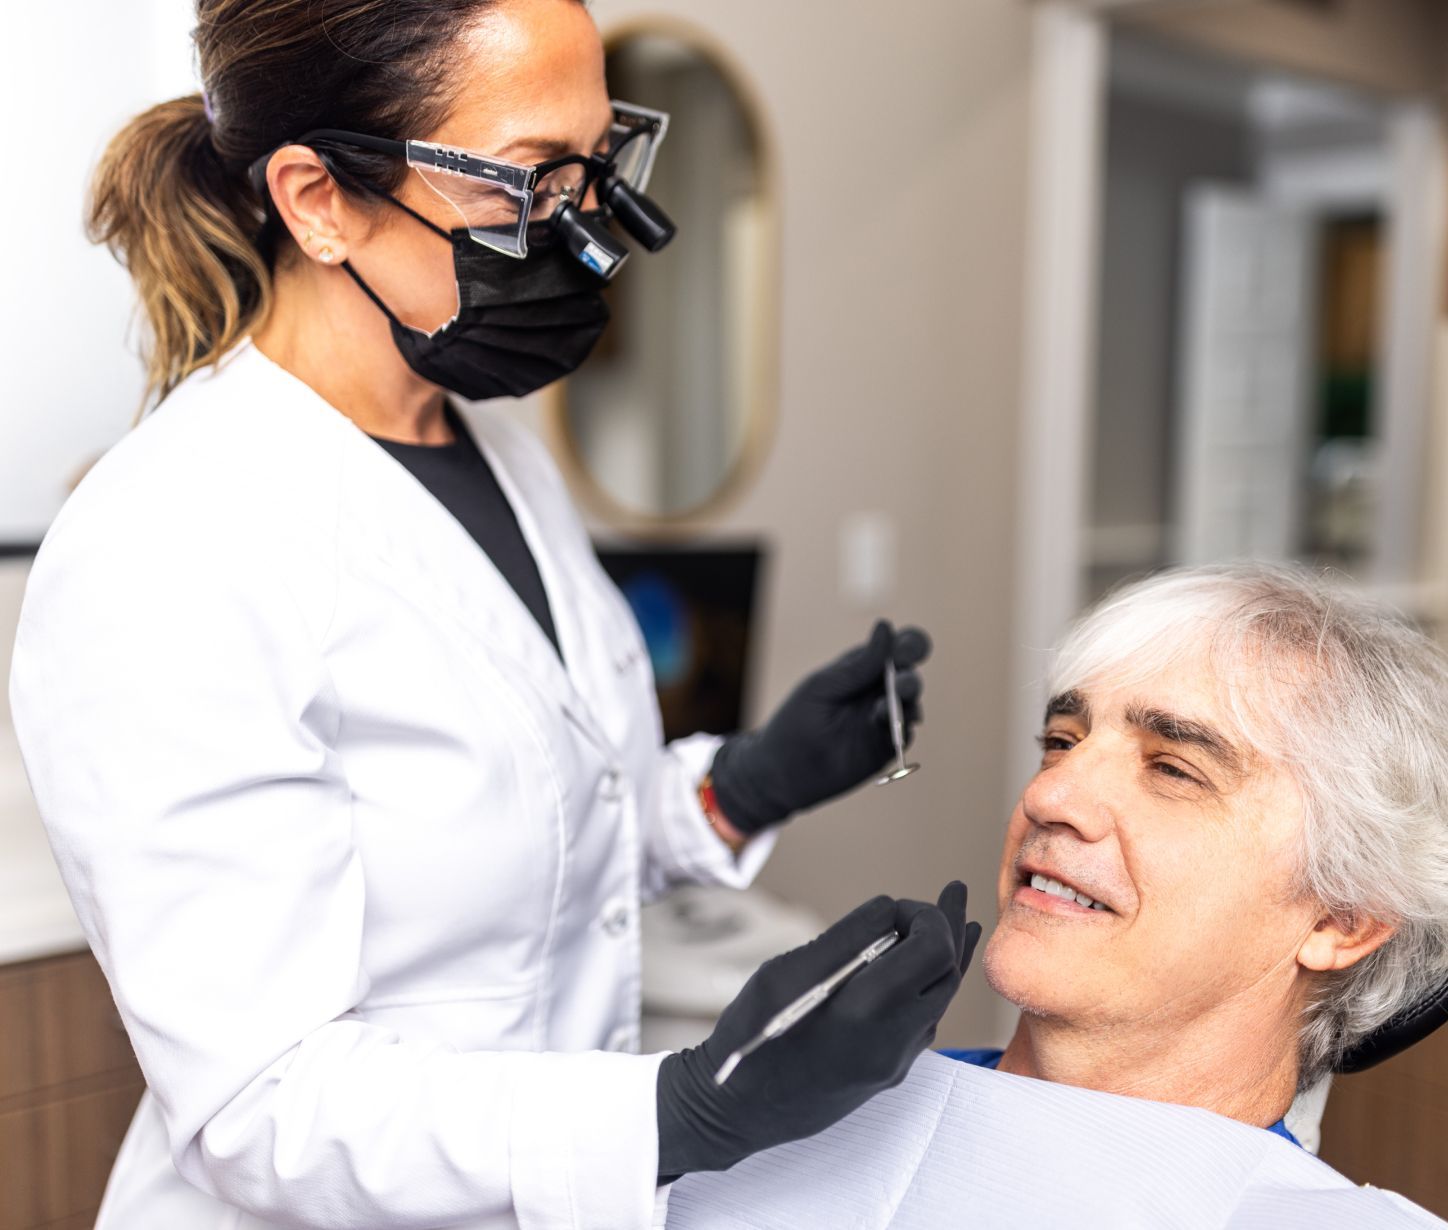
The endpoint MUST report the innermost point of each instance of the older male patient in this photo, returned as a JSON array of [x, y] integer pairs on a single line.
[[1232, 863], [1230, 867]]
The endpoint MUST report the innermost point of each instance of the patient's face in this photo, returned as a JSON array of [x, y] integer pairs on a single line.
[[1146, 804]]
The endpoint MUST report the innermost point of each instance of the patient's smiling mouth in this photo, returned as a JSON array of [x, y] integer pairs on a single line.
[[1040, 891]]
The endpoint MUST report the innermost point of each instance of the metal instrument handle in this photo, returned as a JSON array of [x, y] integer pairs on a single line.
[[794, 1012]]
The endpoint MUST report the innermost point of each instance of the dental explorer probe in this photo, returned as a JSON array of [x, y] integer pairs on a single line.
[[791, 1015]]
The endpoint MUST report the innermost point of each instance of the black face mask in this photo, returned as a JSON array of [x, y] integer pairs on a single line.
[[521, 324]]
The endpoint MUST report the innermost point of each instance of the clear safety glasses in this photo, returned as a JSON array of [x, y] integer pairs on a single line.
[[498, 201]]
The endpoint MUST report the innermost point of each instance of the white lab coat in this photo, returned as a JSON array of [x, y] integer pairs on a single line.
[[361, 859]]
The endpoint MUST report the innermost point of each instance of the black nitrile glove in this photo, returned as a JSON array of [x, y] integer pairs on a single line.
[[831, 734], [858, 1043]]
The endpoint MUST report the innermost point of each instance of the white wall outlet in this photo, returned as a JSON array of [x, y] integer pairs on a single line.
[[868, 551]]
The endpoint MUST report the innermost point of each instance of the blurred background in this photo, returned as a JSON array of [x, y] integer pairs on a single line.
[[978, 307]]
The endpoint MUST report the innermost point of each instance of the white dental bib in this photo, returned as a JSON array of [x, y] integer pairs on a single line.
[[961, 1146]]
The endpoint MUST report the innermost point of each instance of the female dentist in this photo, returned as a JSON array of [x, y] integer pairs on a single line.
[[347, 749]]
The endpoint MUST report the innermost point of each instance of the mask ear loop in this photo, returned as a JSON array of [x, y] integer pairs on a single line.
[[361, 283], [372, 294], [407, 209]]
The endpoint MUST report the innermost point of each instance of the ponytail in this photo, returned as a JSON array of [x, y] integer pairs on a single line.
[[171, 197], [188, 232]]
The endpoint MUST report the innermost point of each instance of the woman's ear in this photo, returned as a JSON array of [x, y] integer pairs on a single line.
[[310, 204], [1338, 943]]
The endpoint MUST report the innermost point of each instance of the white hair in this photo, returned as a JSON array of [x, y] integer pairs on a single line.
[[1352, 701]]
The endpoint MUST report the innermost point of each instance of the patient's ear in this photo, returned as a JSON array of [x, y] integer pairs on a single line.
[[1336, 943]]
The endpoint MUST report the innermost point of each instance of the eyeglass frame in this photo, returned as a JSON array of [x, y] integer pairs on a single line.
[[513, 177]]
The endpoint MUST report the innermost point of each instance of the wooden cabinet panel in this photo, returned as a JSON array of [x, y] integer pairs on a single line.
[[1388, 1126], [20, 1032], [57, 1024], [22, 1192], [58, 1154], [69, 1085], [83, 1134], [83, 1035]]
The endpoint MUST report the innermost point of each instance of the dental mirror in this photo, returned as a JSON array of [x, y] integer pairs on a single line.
[[901, 769]]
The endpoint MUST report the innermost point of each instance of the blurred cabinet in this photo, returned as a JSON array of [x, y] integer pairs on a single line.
[[69, 1085], [1387, 1126]]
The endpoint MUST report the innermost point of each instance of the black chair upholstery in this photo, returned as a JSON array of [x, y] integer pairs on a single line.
[[1398, 1034]]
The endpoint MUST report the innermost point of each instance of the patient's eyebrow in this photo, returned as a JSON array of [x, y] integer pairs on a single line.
[[1068, 704], [1175, 729]]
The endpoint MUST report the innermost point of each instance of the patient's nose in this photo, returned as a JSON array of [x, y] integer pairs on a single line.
[[1074, 791]]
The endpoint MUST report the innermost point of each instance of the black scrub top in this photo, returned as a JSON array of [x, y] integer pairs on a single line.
[[461, 480]]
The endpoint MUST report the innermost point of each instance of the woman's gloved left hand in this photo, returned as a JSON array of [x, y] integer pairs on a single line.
[[829, 736]]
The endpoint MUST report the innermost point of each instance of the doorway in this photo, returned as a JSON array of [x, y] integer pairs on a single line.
[[1197, 225], [1244, 222]]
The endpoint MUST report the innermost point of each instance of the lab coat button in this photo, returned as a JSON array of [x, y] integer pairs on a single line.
[[611, 788], [615, 918]]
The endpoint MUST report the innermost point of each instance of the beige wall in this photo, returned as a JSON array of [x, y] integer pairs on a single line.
[[1397, 46]]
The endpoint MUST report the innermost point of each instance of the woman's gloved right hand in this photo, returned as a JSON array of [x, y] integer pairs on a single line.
[[858, 1043]]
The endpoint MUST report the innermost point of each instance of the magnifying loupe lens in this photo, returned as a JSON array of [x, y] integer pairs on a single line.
[[589, 241], [640, 216]]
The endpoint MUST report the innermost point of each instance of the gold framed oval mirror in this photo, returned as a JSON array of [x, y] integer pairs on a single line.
[[669, 418]]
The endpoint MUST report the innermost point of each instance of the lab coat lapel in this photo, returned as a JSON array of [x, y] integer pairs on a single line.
[[551, 532], [420, 535]]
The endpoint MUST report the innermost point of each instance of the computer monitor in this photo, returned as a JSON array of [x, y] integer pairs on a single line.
[[696, 606]]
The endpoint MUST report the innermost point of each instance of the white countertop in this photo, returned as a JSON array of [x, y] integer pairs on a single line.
[[36, 919]]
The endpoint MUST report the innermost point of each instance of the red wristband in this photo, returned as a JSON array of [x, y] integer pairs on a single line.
[[714, 814]]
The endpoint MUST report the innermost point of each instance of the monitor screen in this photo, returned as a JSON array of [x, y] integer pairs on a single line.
[[696, 608]]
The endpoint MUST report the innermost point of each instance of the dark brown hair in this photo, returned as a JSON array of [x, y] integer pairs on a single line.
[[171, 196]]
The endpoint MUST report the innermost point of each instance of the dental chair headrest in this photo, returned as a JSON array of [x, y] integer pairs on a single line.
[[1397, 1034]]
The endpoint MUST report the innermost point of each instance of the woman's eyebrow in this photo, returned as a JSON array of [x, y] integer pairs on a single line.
[[1176, 729], [548, 147]]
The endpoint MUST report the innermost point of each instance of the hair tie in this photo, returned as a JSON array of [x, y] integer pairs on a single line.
[[206, 108]]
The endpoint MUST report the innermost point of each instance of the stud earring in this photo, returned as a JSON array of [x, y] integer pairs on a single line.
[[307, 242], [327, 256]]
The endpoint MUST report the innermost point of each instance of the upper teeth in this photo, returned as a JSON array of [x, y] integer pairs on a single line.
[[1045, 884]]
